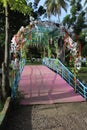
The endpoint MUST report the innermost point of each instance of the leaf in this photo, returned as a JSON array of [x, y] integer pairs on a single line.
[[19, 5], [4, 2]]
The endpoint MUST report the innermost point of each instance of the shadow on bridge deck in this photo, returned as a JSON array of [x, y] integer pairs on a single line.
[[40, 85]]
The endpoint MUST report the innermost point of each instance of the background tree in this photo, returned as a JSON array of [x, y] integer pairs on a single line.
[[75, 22], [37, 12], [16, 20], [2, 37], [22, 7], [76, 18]]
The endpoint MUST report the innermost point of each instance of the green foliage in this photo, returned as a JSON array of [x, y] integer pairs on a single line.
[[79, 7], [36, 2], [76, 19], [82, 75], [72, 2], [16, 20], [80, 23], [33, 52], [73, 19], [73, 10], [81, 16], [82, 38], [41, 10], [53, 7], [83, 70], [2, 36], [19, 5], [36, 11], [76, 7], [2, 19], [66, 19], [84, 50]]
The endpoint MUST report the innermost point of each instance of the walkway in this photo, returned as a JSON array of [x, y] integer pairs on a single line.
[[39, 85]]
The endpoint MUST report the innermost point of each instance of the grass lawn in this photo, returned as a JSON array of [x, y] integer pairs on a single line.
[[33, 63], [82, 75]]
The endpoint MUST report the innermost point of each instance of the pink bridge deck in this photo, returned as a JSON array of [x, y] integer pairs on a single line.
[[40, 85]]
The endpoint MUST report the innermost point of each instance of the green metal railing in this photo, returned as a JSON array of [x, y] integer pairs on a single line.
[[57, 66]]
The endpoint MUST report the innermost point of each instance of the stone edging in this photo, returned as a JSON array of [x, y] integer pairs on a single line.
[[5, 108]]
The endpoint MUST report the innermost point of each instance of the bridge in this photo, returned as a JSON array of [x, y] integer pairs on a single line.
[[48, 83], [51, 82]]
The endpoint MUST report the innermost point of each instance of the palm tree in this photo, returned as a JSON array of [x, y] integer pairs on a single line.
[[36, 2], [53, 7]]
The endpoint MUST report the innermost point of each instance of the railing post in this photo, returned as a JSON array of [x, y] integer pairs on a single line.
[[75, 83], [62, 71], [69, 77], [57, 69], [85, 93]]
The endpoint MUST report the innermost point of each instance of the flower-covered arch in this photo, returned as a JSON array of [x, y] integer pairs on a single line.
[[41, 33]]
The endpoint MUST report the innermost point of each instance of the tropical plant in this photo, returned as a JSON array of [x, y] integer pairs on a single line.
[[53, 7], [75, 23], [76, 18]]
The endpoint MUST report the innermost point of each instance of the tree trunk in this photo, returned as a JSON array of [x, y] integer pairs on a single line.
[[49, 51], [57, 52], [5, 65], [44, 51]]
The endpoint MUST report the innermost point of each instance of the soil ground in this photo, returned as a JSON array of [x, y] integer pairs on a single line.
[[62, 116]]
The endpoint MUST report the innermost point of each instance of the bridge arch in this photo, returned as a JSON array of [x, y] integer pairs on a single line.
[[43, 35], [38, 34], [50, 38]]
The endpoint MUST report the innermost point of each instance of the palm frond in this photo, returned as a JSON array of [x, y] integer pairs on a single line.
[[36, 1], [54, 6]]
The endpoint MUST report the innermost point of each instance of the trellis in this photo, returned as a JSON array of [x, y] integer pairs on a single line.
[[43, 33]]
